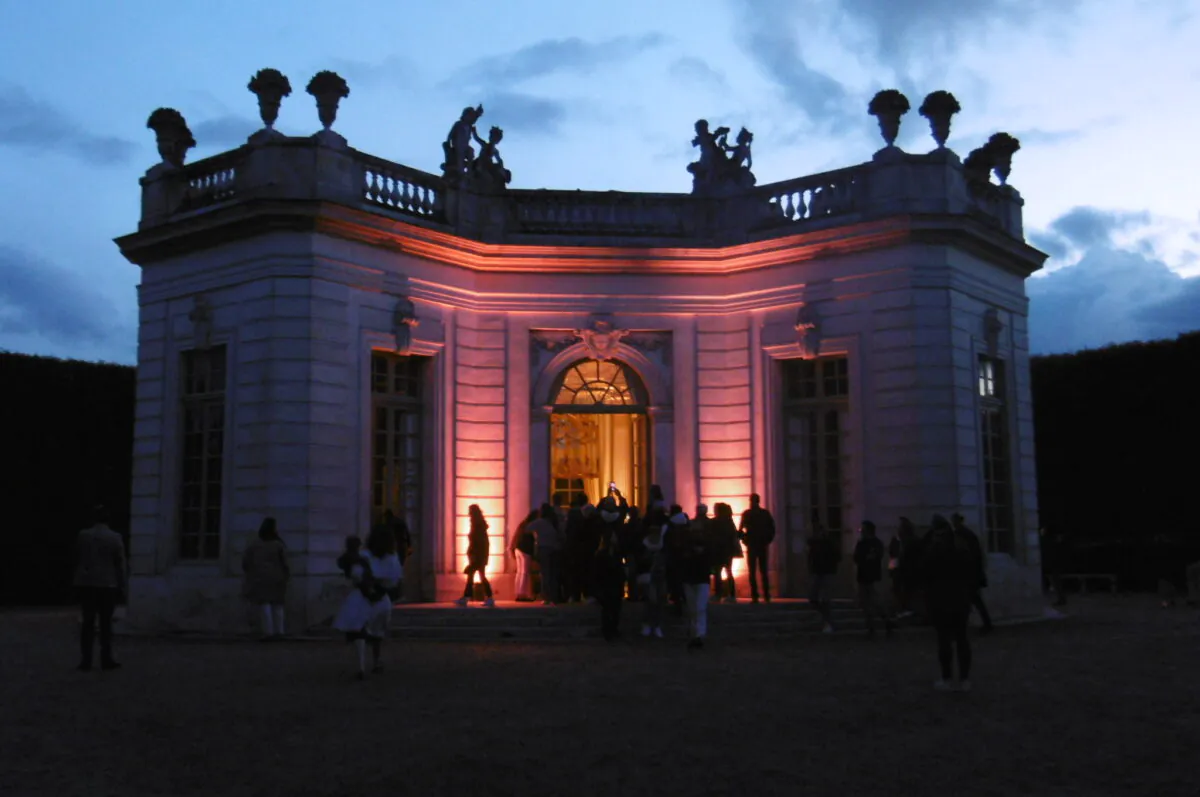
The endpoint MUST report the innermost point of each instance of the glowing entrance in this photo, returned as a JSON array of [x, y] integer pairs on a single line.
[[598, 433]]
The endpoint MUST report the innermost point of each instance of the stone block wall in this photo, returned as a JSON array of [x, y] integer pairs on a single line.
[[723, 411], [480, 437]]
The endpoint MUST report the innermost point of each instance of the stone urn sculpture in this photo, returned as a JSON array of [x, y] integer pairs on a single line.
[[270, 86], [1002, 147], [172, 135], [888, 106], [329, 89], [938, 108]]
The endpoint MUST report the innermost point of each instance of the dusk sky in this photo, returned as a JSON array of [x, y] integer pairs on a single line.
[[1104, 96]]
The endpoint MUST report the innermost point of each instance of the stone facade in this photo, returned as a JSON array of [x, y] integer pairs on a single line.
[[301, 257]]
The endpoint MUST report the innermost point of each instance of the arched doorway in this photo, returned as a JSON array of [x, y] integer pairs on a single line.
[[599, 435]]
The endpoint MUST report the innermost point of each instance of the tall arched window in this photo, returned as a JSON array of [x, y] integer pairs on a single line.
[[598, 433]]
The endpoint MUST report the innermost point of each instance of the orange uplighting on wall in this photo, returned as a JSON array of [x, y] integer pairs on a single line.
[[736, 493]]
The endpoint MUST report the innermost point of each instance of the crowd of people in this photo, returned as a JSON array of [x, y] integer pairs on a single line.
[[609, 554]]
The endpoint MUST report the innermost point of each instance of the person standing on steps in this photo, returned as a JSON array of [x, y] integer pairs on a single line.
[[101, 580], [977, 599], [523, 547], [477, 558], [548, 539], [868, 562], [725, 548], [757, 531]]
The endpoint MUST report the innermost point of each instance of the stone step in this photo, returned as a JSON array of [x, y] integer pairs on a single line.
[[525, 622]]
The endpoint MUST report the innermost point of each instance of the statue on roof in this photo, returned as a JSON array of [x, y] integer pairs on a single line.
[[460, 156], [488, 169], [723, 168]]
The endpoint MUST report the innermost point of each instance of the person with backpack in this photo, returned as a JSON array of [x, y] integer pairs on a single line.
[[757, 532], [951, 565]]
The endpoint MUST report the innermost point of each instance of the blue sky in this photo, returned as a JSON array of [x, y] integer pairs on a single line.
[[602, 95]]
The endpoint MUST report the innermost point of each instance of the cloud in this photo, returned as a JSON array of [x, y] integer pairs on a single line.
[[1110, 296], [1115, 293], [548, 57], [394, 70], [901, 32], [767, 33], [1036, 137], [38, 298], [1086, 227], [28, 122], [697, 71], [224, 131], [525, 113]]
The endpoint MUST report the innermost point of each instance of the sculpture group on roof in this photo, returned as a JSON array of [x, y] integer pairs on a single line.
[[722, 168], [462, 166]]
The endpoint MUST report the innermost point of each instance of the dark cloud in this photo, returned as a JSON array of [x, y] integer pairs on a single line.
[[550, 56], [900, 32], [697, 71], [28, 122], [224, 131], [524, 113], [768, 33], [41, 299], [394, 70], [1084, 227], [1111, 295]]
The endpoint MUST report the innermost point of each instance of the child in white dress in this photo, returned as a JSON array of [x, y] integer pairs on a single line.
[[366, 612]]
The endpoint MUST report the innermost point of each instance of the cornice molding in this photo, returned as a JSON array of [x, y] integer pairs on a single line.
[[252, 218]]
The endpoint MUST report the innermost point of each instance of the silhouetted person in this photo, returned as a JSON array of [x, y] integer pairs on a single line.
[[399, 528], [478, 550], [676, 539], [695, 571], [523, 546], [977, 599], [868, 562], [904, 566], [951, 569], [757, 530], [725, 548], [548, 537], [101, 580], [266, 572], [608, 578], [824, 556]]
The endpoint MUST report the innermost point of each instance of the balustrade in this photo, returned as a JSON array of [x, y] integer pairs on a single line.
[[212, 180], [399, 188], [804, 198], [607, 212], [382, 184]]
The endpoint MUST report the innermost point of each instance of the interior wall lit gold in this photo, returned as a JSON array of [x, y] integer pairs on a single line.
[[598, 433]]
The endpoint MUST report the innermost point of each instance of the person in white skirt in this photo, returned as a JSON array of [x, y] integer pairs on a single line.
[[366, 612]]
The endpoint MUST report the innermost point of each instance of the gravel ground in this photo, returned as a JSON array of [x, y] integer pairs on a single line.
[[1103, 702]]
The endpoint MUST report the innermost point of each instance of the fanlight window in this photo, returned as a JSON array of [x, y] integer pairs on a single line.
[[599, 382]]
